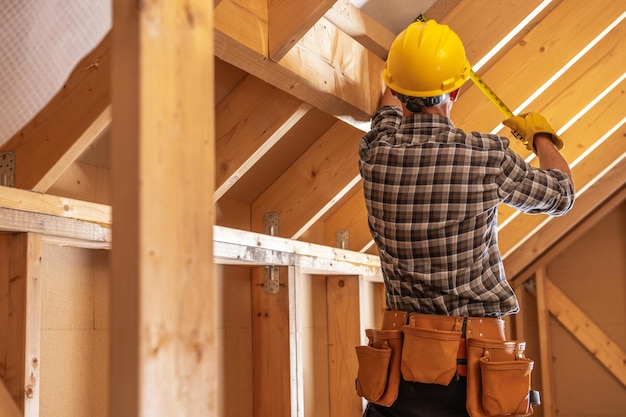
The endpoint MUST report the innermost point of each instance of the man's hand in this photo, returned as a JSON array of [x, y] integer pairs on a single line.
[[529, 124]]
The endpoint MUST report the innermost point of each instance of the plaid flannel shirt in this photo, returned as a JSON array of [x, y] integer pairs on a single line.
[[432, 193]]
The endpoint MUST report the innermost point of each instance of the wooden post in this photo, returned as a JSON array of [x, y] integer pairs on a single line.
[[271, 347], [163, 355], [543, 320], [342, 295], [20, 319]]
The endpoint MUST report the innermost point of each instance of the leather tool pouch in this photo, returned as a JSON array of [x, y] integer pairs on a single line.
[[498, 378], [378, 378], [429, 355]]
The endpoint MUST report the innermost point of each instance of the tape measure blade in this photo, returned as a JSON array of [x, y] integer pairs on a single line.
[[490, 94]]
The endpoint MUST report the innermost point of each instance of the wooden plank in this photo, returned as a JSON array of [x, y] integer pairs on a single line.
[[253, 118], [533, 60], [75, 150], [32, 202], [545, 345], [241, 29], [343, 335], [242, 247], [354, 73], [61, 230], [271, 354], [68, 123], [599, 344], [500, 19], [365, 30], [586, 82], [283, 30], [311, 181], [163, 354], [21, 318]]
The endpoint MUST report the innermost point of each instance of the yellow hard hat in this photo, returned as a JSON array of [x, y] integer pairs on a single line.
[[426, 60]]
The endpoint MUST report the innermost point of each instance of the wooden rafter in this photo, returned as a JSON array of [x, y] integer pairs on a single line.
[[253, 118], [314, 179], [70, 122], [326, 68], [283, 30]]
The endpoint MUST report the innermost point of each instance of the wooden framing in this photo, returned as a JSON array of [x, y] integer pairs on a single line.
[[329, 62], [62, 130], [20, 315], [162, 282]]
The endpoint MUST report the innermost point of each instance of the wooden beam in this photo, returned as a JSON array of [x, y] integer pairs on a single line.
[[54, 229], [32, 202], [163, 355], [313, 180], [545, 342], [602, 145], [20, 275], [252, 119], [284, 30], [74, 151], [326, 69], [67, 125], [533, 61], [599, 344], [501, 20], [234, 246], [342, 295], [271, 371], [365, 30]]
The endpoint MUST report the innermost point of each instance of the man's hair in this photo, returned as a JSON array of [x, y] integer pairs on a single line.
[[417, 104]]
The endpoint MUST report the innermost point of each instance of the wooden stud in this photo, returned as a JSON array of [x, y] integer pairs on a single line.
[[343, 335], [20, 318], [545, 347], [272, 394], [163, 355]]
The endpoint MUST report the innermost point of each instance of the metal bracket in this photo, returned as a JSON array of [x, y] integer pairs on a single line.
[[342, 238], [7, 169], [270, 221], [272, 283]]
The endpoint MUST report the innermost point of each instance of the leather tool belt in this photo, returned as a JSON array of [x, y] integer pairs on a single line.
[[434, 349]]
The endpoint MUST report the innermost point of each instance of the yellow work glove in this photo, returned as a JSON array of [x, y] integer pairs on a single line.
[[528, 124]]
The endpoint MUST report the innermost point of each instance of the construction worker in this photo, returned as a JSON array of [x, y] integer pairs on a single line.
[[432, 192]]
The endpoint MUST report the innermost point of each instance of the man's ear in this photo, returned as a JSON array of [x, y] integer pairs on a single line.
[[454, 94]]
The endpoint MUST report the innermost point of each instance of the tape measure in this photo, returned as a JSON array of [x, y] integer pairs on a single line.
[[489, 93]]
